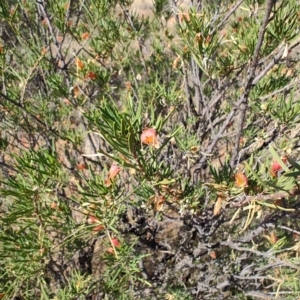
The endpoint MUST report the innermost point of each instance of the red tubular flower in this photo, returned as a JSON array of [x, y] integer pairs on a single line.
[[98, 228], [93, 220], [149, 137], [276, 167], [110, 250], [91, 75], [79, 63], [112, 173], [85, 35], [241, 180], [116, 243]]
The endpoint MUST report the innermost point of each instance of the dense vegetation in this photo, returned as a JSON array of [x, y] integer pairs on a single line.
[[149, 156]]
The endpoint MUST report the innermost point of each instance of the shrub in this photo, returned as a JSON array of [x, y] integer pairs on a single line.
[[149, 155]]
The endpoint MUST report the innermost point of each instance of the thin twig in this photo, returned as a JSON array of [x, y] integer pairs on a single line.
[[275, 196], [234, 7], [274, 61], [284, 89], [44, 14], [269, 256], [249, 83]]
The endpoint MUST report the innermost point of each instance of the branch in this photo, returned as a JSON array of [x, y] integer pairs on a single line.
[[249, 84], [275, 196], [267, 255], [284, 89], [234, 7]]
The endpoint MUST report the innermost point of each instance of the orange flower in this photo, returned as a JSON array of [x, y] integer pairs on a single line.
[[276, 167], [115, 242], [79, 63], [149, 137], [91, 75], [213, 255], [112, 173], [241, 180], [53, 205], [85, 35], [93, 220], [81, 166], [98, 228]]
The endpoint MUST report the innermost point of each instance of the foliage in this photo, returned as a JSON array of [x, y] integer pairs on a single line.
[[115, 124]]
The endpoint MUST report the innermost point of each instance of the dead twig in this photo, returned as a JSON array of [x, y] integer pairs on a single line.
[[249, 82]]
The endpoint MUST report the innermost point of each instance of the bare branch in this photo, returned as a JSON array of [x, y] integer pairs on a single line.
[[249, 83]]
